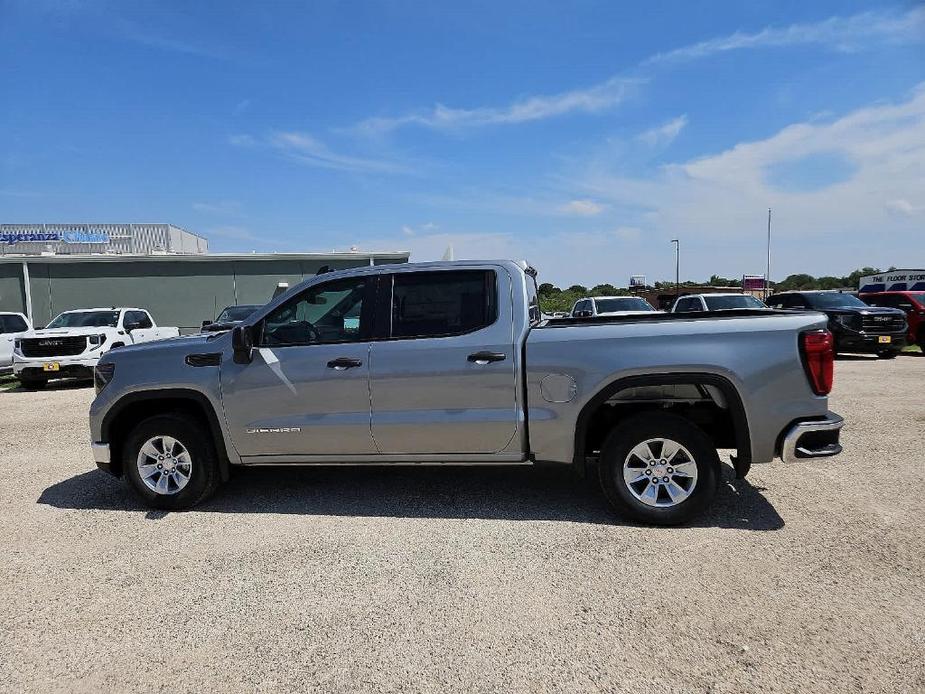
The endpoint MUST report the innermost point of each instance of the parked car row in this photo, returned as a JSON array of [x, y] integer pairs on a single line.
[[881, 323]]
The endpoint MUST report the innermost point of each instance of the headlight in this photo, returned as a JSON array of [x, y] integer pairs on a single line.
[[97, 340], [102, 375]]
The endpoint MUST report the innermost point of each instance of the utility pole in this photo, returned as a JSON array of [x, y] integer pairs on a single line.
[[677, 266], [767, 277]]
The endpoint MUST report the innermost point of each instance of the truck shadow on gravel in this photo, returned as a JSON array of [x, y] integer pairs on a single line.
[[496, 494]]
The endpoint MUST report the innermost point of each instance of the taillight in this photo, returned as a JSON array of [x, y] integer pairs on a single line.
[[818, 350]]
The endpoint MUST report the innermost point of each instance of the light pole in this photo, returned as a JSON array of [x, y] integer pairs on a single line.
[[677, 266], [767, 277]]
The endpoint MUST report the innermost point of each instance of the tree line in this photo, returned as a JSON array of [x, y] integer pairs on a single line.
[[552, 298]]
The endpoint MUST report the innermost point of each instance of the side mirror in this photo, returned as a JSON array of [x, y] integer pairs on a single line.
[[205, 323], [242, 342], [583, 314], [134, 325]]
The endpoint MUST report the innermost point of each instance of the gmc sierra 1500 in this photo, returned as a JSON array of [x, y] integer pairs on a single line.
[[452, 363]]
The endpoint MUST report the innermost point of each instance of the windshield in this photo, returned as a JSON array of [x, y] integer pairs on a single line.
[[833, 300], [723, 303], [624, 303], [235, 313], [86, 319], [918, 297]]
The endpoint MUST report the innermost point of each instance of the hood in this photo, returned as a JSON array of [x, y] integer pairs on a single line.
[[67, 332], [865, 311], [186, 343]]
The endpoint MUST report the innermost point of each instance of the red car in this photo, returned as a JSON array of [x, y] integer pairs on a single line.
[[913, 303]]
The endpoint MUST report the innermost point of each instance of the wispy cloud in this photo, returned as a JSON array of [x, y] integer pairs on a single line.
[[306, 149], [581, 208], [220, 207], [839, 33], [664, 134], [593, 99]]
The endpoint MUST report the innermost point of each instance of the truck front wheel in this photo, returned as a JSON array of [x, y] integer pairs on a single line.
[[33, 383], [659, 468], [170, 462]]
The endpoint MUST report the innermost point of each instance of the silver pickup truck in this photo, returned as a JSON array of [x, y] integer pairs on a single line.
[[452, 363]]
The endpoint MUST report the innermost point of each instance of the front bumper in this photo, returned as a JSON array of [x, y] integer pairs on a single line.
[[67, 366], [101, 456], [816, 438], [850, 341]]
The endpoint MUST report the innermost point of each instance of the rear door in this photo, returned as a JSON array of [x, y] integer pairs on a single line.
[[442, 373]]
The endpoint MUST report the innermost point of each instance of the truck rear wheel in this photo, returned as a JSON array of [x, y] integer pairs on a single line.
[[659, 468], [170, 462]]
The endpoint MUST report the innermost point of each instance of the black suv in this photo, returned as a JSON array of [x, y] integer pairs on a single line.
[[856, 326]]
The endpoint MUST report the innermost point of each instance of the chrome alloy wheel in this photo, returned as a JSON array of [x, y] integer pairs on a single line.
[[660, 472], [164, 465]]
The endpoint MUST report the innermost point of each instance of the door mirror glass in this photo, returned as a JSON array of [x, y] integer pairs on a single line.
[[242, 343]]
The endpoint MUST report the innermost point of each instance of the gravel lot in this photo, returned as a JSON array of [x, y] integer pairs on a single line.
[[804, 578]]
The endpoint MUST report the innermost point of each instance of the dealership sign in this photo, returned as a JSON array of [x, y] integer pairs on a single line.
[[753, 282], [11, 237], [896, 281]]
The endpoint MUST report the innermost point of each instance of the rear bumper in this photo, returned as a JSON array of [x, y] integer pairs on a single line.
[[817, 438]]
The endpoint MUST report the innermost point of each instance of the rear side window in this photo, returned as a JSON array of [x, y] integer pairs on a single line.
[[443, 303]]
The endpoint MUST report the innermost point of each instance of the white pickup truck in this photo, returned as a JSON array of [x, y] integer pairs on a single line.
[[72, 344]]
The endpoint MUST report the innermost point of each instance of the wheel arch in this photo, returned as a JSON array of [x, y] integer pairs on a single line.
[[731, 394], [132, 408]]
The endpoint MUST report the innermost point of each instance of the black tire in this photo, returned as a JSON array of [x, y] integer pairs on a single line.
[[204, 473], [33, 383], [921, 340], [888, 354], [639, 429]]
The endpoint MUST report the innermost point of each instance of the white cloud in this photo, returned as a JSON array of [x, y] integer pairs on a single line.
[[582, 208], [840, 33], [306, 149], [720, 201], [664, 134], [594, 99]]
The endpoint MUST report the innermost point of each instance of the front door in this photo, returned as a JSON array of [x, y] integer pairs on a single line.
[[306, 392], [442, 381]]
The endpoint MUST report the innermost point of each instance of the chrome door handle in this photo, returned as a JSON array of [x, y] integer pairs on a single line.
[[343, 363], [483, 358]]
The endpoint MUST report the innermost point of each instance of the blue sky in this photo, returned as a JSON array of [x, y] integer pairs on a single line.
[[582, 136]]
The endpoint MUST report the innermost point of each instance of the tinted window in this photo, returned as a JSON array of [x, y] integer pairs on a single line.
[[583, 305], [628, 303], [688, 305], [724, 303], [325, 313], [833, 300], [86, 319], [12, 324], [434, 304], [140, 317]]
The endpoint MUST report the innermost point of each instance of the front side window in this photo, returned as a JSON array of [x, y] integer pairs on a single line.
[[442, 303], [688, 305], [324, 314], [86, 319], [12, 324], [138, 318]]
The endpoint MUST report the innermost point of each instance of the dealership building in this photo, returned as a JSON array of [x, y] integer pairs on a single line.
[[49, 268]]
